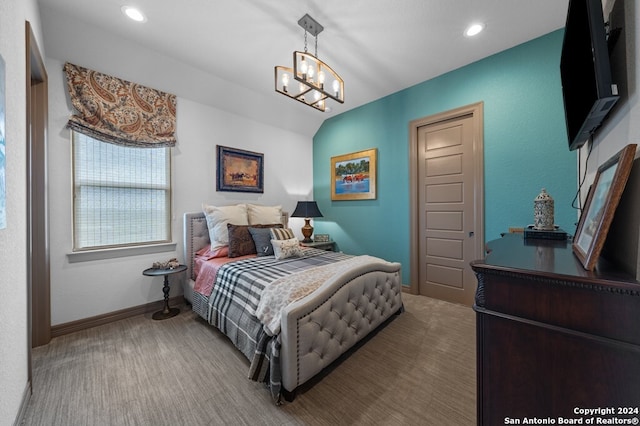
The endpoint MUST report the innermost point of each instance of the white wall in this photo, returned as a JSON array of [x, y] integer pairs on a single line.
[[622, 126], [86, 289], [78, 41], [13, 244]]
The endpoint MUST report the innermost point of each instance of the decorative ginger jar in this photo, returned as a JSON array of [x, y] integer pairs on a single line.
[[543, 212]]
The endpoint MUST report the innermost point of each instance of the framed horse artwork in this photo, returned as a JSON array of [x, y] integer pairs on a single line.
[[353, 176], [239, 170]]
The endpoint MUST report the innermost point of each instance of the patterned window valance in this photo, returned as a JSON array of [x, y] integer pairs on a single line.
[[118, 111]]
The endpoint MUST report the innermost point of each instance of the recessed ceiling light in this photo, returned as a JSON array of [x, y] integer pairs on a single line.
[[473, 30], [133, 13]]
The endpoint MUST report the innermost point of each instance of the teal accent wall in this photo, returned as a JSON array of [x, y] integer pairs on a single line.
[[525, 149]]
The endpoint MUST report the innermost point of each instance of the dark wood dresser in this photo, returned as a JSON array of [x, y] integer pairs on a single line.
[[552, 338]]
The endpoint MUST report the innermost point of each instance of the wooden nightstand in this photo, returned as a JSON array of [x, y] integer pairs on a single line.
[[166, 312], [324, 245]]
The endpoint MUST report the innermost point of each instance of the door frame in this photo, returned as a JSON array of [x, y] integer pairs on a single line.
[[38, 265], [476, 112]]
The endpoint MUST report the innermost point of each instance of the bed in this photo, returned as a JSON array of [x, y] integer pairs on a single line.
[[288, 336]]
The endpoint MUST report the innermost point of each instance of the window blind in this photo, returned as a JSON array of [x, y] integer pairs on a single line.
[[122, 194]]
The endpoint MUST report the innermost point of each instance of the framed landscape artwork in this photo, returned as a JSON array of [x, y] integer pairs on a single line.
[[600, 207], [353, 176], [239, 170]]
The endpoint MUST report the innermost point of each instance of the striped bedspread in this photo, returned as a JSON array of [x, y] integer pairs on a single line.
[[233, 304]]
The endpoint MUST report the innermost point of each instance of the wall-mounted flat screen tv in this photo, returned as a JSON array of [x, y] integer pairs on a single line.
[[585, 71]]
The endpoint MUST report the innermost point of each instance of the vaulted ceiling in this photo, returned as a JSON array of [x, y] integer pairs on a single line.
[[377, 46]]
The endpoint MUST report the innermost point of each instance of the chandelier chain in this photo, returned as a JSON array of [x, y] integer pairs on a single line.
[[316, 37], [305, 41]]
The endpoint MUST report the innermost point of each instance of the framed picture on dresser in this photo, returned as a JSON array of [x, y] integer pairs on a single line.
[[600, 207]]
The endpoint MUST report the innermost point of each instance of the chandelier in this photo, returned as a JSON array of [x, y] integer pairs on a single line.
[[310, 81]]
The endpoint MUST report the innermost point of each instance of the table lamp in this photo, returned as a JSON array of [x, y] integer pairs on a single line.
[[307, 210]]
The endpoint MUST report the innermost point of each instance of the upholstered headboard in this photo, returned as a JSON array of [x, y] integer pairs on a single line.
[[196, 236]]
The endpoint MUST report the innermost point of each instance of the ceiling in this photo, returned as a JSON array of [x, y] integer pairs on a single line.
[[377, 46]]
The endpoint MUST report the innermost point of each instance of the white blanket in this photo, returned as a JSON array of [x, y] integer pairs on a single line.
[[283, 291]]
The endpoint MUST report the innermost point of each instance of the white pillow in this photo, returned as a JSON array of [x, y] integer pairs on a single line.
[[264, 215], [217, 219], [283, 249]]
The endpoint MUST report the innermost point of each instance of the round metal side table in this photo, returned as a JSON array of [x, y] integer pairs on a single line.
[[166, 312]]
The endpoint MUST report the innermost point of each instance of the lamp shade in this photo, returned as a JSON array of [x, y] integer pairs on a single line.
[[306, 209]]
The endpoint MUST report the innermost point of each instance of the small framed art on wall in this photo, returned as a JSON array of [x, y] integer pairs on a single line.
[[239, 170], [353, 176]]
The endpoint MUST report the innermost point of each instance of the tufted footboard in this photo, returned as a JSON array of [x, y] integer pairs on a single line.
[[317, 329]]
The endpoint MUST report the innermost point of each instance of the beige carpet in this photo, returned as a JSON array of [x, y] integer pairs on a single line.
[[418, 370]]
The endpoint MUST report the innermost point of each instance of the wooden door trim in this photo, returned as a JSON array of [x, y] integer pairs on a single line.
[[38, 280], [476, 112]]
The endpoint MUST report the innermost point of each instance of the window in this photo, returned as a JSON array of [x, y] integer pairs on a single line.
[[121, 195]]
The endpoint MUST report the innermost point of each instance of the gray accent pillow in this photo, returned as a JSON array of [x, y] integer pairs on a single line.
[[262, 240]]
